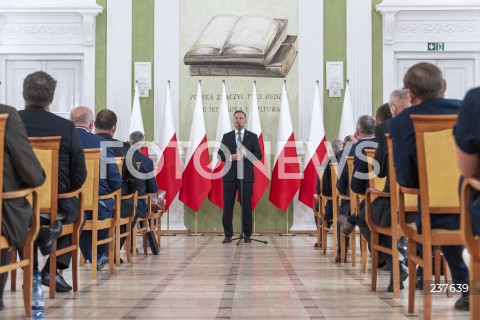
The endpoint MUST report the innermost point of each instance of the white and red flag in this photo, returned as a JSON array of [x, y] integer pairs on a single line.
[[224, 125], [315, 154], [169, 175], [196, 182], [260, 168], [286, 170], [347, 122]]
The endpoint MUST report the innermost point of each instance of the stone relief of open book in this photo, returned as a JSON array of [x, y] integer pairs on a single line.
[[230, 43]]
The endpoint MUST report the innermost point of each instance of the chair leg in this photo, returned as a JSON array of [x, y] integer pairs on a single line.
[[412, 275], [111, 249], [134, 240], [374, 242], [128, 241], [427, 278], [343, 247], [117, 244], [319, 231], [144, 237], [437, 267], [353, 247], [27, 278], [159, 230], [75, 255], [447, 276], [395, 268], [474, 287], [94, 252], [324, 240], [364, 252], [13, 273]]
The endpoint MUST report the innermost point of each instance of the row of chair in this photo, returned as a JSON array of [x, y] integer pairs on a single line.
[[438, 194], [44, 200]]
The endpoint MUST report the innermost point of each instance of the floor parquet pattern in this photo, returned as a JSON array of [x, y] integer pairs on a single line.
[[201, 278]]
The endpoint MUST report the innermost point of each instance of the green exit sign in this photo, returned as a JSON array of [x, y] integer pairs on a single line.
[[436, 46]]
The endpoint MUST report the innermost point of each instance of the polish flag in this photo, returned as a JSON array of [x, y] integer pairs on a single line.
[[286, 170], [136, 120], [316, 152], [169, 176], [260, 168], [196, 181], [347, 122], [224, 125]]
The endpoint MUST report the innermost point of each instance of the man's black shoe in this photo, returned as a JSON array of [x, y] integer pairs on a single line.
[[55, 231], [227, 239], [102, 261], [463, 303], [403, 277], [248, 240], [60, 284]]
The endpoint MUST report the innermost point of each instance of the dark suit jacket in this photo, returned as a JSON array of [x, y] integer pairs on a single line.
[[145, 186], [71, 167], [21, 169], [249, 142], [405, 150]]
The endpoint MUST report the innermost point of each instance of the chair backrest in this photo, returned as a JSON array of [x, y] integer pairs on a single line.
[[472, 241], [374, 181], [119, 161], [333, 171], [3, 122], [47, 151], [91, 185], [438, 172]]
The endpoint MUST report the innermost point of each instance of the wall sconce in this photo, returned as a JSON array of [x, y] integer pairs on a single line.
[[334, 78], [143, 77]]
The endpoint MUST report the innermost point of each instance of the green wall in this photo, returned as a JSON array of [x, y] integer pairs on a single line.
[[334, 50]]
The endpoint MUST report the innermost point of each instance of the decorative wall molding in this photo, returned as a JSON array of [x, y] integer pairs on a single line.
[[359, 55], [409, 25], [48, 28], [119, 63]]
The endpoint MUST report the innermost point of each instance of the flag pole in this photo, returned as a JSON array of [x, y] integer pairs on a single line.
[[287, 234], [196, 234], [255, 234], [168, 234]]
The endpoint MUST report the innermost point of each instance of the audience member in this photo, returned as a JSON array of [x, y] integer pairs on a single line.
[[38, 92], [82, 117], [425, 89]]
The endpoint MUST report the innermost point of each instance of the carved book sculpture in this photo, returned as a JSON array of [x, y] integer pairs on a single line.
[[251, 45]]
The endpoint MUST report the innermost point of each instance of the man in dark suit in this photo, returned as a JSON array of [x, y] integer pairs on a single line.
[[425, 89], [38, 91], [82, 117], [238, 174], [105, 127], [21, 169]]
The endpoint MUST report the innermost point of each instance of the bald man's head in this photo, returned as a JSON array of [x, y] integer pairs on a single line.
[[82, 117]]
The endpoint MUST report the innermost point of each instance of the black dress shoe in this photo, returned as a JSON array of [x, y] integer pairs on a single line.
[[463, 303], [227, 239], [102, 261], [55, 231], [403, 277], [248, 240], [60, 284]]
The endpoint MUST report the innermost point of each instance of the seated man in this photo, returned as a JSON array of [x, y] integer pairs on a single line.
[[82, 117], [365, 139], [144, 171], [425, 88], [21, 170], [105, 127], [38, 91]]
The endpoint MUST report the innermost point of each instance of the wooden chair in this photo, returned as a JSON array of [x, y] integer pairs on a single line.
[[27, 262], [352, 199], [127, 221], [438, 181], [335, 208], [155, 219], [473, 245], [47, 151], [320, 212], [90, 190]]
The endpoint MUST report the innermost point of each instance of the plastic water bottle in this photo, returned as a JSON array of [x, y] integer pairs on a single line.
[[37, 297]]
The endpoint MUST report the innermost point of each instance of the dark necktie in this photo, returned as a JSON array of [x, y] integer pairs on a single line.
[[239, 139]]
